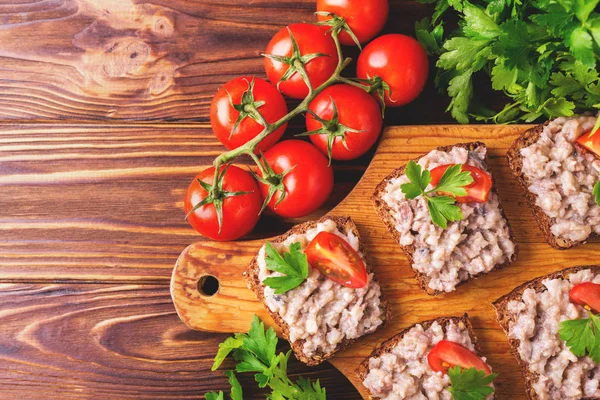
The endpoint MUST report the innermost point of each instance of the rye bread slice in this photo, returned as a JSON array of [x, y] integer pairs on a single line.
[[515, 161], [387, 346], [504, 318], [385, 213], [344, 224]]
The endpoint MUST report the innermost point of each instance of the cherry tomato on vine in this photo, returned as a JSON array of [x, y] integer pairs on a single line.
[[301, 172], [477, 192], [586, 294], [337, 260], [400, 62], [365, 18], [239, 200], [447, 354], [230, 119], [344, 112], [315, 49]]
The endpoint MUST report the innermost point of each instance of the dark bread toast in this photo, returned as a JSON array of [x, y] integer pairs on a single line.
[[344, 224], [504, 319], [385, 214], [515, 161], [390, 344]]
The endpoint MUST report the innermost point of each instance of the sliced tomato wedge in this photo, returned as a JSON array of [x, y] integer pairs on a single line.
[[447, 354], [337, 260], [477, 192], [586, 294], [590, 142]]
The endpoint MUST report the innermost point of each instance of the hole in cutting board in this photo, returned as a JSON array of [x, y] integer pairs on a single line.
[[208, 285]]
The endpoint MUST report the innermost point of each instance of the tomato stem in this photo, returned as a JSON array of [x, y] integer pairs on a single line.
[[250, 147]]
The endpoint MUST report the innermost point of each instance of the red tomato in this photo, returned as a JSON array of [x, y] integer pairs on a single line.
[[311, 40], [223, 116], [365, 18], [586, 294], [308, 183], [447, 354], [590, 142], [240, 213], [477, 192], [356, 110], [337, 260], [401, 62]]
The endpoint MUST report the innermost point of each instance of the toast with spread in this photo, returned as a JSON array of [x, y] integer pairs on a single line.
[[531, 316], [557, 177], [320, 317], [403, 366], [443, 259]]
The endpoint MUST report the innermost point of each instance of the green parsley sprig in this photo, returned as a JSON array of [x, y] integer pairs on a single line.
[[293, 266], [582, 336], [596, 191], [470, 384], [441, 208], [256, 352], [542, 54]]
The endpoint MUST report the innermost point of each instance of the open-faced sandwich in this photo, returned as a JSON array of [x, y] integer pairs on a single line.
[[445, 213], [558, 167], [317, 285], [554, 331], [436, 359]]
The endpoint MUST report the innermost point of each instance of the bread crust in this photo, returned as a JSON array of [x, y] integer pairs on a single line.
[[504, 319], [385, 214], [251, 275], [363, 369], [515, 161]]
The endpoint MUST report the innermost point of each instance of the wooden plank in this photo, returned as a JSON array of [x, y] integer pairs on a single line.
[[227, 261], [104, 203], [150, 60], [113, 341]]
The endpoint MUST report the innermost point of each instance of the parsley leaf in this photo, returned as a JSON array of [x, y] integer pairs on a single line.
[[257, 353], [214, 396], [293, 266], [582, 336], [470, 384], [441, 208], [596, 193]]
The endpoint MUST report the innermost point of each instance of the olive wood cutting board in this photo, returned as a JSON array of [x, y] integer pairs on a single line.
[[232, 307]]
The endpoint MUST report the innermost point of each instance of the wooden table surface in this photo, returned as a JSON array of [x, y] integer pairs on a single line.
[[103, 123]]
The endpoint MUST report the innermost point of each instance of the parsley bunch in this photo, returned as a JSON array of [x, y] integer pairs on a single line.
[[596, 191], [470, 384], [582, 336], [542, 54], [441, 208], [256, 352]]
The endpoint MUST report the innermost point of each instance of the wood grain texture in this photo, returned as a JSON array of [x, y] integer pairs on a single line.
[[148, 60], [227, 261], [105, 202], [115, 342]]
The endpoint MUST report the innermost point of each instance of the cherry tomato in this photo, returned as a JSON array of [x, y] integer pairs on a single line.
[[477, 192], [223, 116], [586, 294], [337, 260], [590, 142], [311, 41], [365, 18], [356, 110], [240, 213], [401, 62], [447, 354], [308, 182]]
